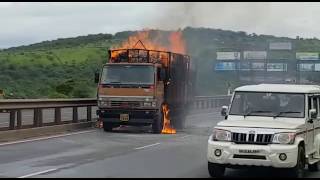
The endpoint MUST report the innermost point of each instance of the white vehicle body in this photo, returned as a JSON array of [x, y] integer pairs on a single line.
[[253, 139]]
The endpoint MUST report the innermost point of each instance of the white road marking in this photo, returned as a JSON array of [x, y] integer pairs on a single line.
[[147, 146], [184, 136], [45, 138], [37, 173]]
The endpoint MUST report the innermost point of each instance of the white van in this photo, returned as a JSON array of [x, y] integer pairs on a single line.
[[275, 125]]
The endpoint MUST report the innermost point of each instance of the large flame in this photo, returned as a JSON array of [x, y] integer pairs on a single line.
[[144, 37], [175, 39], [167, 129], [177, 44]]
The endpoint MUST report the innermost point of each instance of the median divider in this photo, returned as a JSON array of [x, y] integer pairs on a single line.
[[20, 134]]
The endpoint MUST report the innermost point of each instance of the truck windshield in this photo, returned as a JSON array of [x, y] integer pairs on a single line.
[[268, 104], [127, 74]]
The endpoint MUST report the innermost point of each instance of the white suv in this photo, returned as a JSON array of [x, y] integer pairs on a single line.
[[275, 125]]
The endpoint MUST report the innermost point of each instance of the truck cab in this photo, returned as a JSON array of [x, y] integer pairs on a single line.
[[127, 94], [274, 125]]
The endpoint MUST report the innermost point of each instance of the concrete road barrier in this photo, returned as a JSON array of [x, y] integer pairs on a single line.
[[20, 134]]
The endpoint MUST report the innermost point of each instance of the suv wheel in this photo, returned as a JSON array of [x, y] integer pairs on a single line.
[[298, 170], [216, 170], [313, 167]]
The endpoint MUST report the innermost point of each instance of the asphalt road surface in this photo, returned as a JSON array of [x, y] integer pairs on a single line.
[[127, 152]]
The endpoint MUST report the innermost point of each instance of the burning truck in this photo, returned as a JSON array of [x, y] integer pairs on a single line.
[[143, 87]]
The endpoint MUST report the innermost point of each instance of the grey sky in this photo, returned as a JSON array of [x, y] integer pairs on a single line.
[[25, 23]]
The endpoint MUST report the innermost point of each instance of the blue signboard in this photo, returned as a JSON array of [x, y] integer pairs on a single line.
[[225, 66]]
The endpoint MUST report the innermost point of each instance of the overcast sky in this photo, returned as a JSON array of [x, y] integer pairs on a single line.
[[25, 23]]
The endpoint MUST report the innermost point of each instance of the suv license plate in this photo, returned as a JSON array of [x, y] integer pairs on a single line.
[[249, 151], [124, 117]]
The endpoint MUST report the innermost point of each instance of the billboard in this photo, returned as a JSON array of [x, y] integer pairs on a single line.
[[317, 67], [255, 55], [276, 67], [257, 66], [306, 67], [245, 66], [280, 46], [228, 55], [225, 66], [307, 56]]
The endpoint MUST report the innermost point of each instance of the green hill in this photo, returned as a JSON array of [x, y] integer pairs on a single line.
[[65, 67]]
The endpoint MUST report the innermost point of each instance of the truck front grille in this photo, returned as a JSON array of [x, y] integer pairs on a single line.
[[124, 104], [243, 138]]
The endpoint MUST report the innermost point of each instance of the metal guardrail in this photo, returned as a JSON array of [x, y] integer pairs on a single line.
[[45, 103], [15, 106]]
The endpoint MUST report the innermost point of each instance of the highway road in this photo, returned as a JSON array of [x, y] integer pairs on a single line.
[[128, 152]]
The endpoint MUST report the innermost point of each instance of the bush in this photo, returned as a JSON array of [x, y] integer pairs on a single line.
[[65, 88], [56, 95], [83, 90]]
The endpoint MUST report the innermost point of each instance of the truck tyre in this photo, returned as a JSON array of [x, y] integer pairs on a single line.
[[216, 170], [180, 123], [298, 170], [157, 124], [313, 167], [107, 127]]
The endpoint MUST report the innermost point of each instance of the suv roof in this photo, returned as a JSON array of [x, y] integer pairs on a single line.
[[290, 88]]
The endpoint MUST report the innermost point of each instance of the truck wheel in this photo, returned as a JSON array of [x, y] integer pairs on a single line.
[[157, 124], [216, 170], [313, 167], [298, 170], [107, 127], [179, 124]]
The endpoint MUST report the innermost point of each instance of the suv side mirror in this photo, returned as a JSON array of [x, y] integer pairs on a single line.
[[224, 111], [96, 77], [312, 113]]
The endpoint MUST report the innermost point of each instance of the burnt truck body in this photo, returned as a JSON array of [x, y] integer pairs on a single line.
[[135, 84]]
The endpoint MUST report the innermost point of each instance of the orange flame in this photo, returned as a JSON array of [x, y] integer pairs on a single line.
[[144, 37], [167, 129], [176, 42]]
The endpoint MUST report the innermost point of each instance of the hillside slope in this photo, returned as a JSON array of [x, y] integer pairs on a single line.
[[65, 67]]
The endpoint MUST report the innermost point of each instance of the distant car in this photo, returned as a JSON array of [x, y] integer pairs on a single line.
[[288, 80], [275, 125]]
